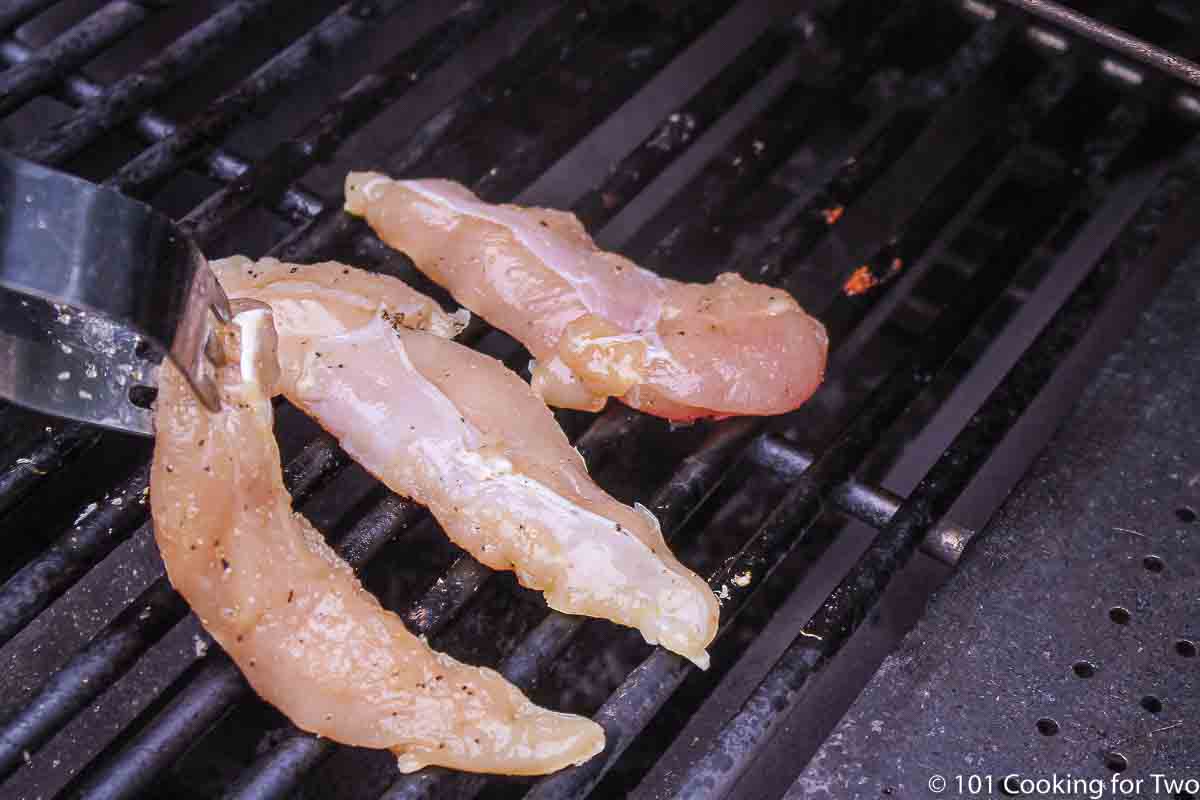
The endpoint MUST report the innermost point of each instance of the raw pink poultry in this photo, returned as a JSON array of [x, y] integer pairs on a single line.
[[598, 325], [308, 637], [458, 432]]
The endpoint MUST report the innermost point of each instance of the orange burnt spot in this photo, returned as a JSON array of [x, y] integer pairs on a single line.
[[859, 282], [832, 215]]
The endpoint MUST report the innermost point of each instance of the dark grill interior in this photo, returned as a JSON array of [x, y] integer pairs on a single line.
[[976, 202]]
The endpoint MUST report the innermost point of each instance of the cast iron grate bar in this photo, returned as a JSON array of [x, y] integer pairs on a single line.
[[125, 99], [334, 33], [285, 762], [62, 444], [114, 649], [223, 165], [287, 163], [465, 785], [16, 12], [524, 662], [294, 202], [1057, 30], [57, 450], [518, 66], [68, 51]]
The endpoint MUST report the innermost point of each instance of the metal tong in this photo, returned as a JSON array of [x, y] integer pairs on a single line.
[[94, 288]]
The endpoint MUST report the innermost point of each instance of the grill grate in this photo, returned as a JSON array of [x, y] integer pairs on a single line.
[[986, 189]]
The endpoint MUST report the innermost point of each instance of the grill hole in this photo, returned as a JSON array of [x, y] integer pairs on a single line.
[[142, 396], [1119, 615], [1186, 648], [1185, 514], [1153, 563], [1152, 704], [1084, 669], [1116, 762], [1047, 726]]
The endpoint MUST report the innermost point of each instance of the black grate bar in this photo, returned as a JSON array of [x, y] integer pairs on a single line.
[[660, 149], [334, 33], [554, 41], [114, 649], [125, 99], [219, 684], [715, 772], [279, 771], [101, 526], [517, 163], [696, 70], [223, 165], [68, 51], [632, 706], [1056, 29], [230, 168], [697, 477], [109, 521], [801, 110], [946, 544], [1111, 38], [15, 12], [873, 505], [870, 505], [90, 671], [62, 445], [291, 159], [886, 209], [1124, 199], [671, 506], [931, 543]]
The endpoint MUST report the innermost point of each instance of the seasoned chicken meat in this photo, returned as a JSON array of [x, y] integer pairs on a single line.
[[458, 432], [598, 325], [291, 613]]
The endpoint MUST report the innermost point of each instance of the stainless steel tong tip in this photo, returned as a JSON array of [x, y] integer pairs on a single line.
[[94, 288]]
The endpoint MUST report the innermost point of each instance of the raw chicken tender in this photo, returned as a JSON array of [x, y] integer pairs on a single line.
[[458, 432], [291, 613], [599, 325]]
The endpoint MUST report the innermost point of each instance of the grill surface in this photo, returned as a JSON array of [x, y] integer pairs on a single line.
[[973, 197]]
